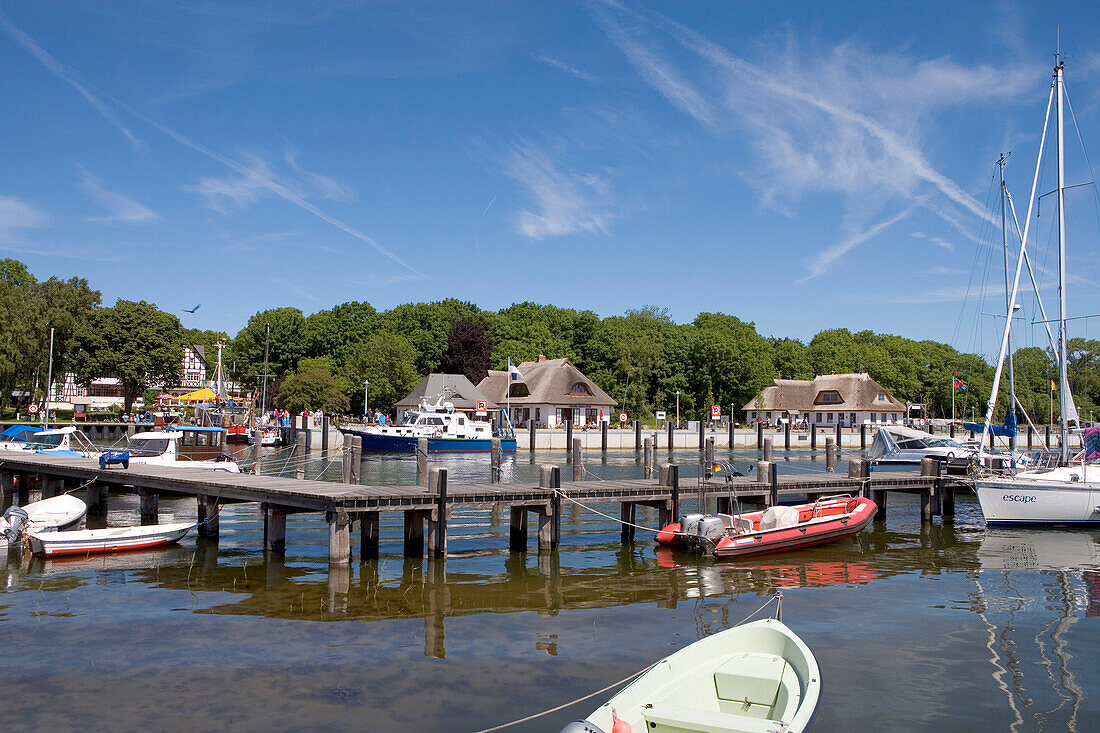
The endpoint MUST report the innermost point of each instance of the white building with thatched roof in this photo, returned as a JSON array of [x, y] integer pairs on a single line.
[[549, 392], [847, 399]]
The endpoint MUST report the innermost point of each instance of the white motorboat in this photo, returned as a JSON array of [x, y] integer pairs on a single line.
[[112, 539], [182, 447], [17, 437], [48, 515], [445, 429], [899, 445], [1067, 491], [67, 441], [755, 678]]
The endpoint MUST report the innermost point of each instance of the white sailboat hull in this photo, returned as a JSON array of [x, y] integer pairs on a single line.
[[1031, 499]]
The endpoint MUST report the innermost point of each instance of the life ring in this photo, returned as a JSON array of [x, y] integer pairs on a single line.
[[439, 433], [148, 417]]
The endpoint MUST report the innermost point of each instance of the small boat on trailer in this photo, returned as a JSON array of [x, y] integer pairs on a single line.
[[775, 529], [755, 678], [112, 539]]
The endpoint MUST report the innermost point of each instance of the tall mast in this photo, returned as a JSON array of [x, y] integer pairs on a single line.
[[1063, 372], [263, 399], [1008, 294]]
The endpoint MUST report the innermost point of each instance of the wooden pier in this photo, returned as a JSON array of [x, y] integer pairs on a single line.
[[26, 476]]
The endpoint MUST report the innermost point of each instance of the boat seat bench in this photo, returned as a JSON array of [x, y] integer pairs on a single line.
[[665, 718]]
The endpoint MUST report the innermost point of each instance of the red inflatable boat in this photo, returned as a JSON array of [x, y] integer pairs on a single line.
[[775, 529]]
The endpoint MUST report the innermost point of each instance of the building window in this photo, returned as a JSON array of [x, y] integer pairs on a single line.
[[873, 416], [829, 418], [882, 397], [768, 415], [580, 388], [819, 417], [853, 418], [884, 417]]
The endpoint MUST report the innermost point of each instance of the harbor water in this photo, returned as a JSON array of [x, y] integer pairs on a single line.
[[940, 627]]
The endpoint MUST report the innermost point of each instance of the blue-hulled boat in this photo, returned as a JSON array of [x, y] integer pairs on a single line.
[[445, 429]]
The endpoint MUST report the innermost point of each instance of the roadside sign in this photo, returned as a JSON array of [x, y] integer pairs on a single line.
[[622, 418], [482, 407], [715, 411], [32, 408], [660, 415]]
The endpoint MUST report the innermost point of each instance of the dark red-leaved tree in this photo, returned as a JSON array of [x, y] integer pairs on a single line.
[[468, 350]]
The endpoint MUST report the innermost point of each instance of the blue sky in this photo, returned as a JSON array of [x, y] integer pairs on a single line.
[[800, 165]]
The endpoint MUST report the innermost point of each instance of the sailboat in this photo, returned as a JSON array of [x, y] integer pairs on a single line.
[[1065, 491]]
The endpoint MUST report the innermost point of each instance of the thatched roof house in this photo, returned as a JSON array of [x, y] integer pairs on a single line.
[[849, 399], [551, 392]]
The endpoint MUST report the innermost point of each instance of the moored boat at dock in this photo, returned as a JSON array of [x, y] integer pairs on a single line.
[[112, 539], [772, 530], [446, 430]]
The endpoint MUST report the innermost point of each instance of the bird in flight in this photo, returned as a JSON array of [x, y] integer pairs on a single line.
[[192, 310]]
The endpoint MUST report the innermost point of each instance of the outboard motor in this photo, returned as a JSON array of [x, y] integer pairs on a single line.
[[711, 529], [689, 525], [581, 726], [17, 520]]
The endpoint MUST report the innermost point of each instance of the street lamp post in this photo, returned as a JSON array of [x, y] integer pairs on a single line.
[[677, 409], [366, 384]]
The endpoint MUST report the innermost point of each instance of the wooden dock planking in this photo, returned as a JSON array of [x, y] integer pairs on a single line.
[[345, 503]]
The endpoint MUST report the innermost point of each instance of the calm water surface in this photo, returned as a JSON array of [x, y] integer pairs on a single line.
[[945, 628]]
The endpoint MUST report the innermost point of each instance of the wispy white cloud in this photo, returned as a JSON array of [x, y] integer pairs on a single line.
[[18, 214], [940, 242], [565, 202], [327, 188], [69, 76], [818, 265], [562, 66], [239, 189], [123, 209]]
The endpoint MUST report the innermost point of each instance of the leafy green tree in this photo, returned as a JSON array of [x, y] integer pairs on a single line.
[[312, 388], [730, 362], [792, 360], [134, 342], [337, 331], [425, 326], [468, 351], [388, 361], [246, 350]]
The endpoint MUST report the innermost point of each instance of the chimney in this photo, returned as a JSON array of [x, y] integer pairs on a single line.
[[542, 357]]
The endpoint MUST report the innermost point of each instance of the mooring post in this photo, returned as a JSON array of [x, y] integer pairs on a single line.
[[345, 459], [603, 435], [568, 437], [830, 455], [274, 528], [708, 455], [768, 449], [356, 458], [951, 432], [701, 429], [946, 490], [368, 535], [759, 436], [637, 435], [421, 462], [578, 466], [339, 537], [517, 532], [813, 436], [414, 533], [208, 516], [494, 461], [928, 467], [7, 482], [95, 496], [733, 433], [309, 436], [149, 506], [768, 473], [1047, 437], [862, 438], [437, 517], [671, 430], [786, 436], [838, 433], [626, 522], [257, 450], [1030, 435], [300, 457], [550, 515], [531, 436], [647, 459], [325, 420]]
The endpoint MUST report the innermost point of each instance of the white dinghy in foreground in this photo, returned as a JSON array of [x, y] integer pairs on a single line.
[[48, 515], [112, 539], [755, 678]]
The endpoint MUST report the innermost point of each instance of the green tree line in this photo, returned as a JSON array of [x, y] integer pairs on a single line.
[[641, 358]]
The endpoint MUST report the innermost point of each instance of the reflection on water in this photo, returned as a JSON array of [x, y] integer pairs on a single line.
[[958, 628]]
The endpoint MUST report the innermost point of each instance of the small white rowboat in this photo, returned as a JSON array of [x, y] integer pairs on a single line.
[[114, 539], [47, 515], [754, 678]]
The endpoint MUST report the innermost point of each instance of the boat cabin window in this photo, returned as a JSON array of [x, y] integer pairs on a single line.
[[430, 421], [148, 446], [49, 441], [201, 439], [188, 438], [461, 421]]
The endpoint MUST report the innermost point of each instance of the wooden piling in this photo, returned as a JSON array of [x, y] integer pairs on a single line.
[[813, 437], [257, 450], [208, 516], [862, 438], [568, 437], [701, 429], [951, 433], [637, 435], [768, 473], [517, 533], [368, 535], [550, 516], [732, 434], [437, 518], [414, 533], [603, 436], [7, 485], [830, 455], [786, 436], [339, 537], [708, 455], [759, 436], [150, 505], [494, 461], [928, 467], [578, 466], [647, 459], [421, 461], [627, 516], [838, 432], [1047, 436], [670, 429], [1030, 436], [767, 449], [531, 435], [274, 528], [95, 496], [325, 420]]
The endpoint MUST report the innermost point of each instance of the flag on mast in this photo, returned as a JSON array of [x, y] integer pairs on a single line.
[[958, 383], [513, 373]]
